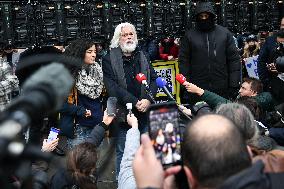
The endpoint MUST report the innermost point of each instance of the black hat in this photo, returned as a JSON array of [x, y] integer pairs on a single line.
[[251, 37], [204, 7]]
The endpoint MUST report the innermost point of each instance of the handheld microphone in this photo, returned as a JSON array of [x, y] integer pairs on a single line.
[[141, 78], [161, 82], [180, 78], [129, 108]]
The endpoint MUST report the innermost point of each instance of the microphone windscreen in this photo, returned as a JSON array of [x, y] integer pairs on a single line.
[[140, 77], [180, 78], [55, 78], [161, 82]]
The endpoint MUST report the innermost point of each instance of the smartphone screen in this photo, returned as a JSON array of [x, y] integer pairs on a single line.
[[111, 106], [53, 133], [165, 133]]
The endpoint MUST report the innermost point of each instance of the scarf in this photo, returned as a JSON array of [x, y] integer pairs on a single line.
[[90, 80]]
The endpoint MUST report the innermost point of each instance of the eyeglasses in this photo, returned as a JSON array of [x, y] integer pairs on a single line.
[[127, 34]]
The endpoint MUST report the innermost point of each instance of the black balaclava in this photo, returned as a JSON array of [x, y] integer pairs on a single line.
[[205, 24]]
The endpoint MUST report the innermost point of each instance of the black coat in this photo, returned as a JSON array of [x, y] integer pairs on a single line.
[[121, 83], [254, 178], [210, 59], [267, 55]]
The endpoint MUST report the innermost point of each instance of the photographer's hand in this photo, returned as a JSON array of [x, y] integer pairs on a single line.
[[148, 170], [169, 182]]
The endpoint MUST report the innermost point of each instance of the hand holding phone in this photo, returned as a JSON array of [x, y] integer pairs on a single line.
[[53, 133], [49, 146]]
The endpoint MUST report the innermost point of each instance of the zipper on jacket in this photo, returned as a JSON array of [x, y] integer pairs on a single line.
[[208, 44], [215, 51], [208, 51]]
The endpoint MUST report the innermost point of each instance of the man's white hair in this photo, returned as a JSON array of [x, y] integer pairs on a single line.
[[117, 34]]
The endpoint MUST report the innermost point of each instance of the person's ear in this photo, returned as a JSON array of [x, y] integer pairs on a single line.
[[250, 152], [190, 178], [254, 93]]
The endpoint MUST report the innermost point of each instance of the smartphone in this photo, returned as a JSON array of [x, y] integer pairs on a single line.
[[165, 133], [53, 133], [111, 106]]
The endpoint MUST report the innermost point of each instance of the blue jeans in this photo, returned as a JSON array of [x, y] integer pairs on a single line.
[[81, 134], [121, 138]]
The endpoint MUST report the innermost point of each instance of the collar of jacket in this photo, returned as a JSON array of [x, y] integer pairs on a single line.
[[116, 58]]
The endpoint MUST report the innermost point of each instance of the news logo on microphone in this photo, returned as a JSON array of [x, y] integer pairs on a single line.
[[180, 78], [140, 77]]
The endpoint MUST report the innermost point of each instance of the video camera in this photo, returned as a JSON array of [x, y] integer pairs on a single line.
[[43, 92]]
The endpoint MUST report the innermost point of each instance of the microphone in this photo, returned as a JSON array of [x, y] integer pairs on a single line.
[[129, 108], [161, 82], [180, 78], [141, 78]]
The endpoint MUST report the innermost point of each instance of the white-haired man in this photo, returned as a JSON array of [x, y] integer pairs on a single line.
[[120, 66]]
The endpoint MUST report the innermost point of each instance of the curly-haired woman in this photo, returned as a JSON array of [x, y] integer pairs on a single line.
[[83, 109]]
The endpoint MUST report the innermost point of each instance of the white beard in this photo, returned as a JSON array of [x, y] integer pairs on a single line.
[[128, 47]]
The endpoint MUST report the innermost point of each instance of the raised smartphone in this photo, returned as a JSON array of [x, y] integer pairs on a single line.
[[111, 106], [53, 133], [165, 133]]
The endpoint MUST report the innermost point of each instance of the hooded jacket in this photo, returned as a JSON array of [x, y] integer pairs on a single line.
[[210, 59], [205, 7]]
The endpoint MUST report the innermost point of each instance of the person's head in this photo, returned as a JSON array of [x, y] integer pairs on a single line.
[[280, 36], [214, 149], [84, 49], [251, 87], [167, 43], [252, 105], [282, 23], [252, 42], [241, 117], [169, 128], [125, 37], [205, 16], [81, 165]]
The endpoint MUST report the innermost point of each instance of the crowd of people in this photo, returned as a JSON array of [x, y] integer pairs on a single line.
[[238, 144]]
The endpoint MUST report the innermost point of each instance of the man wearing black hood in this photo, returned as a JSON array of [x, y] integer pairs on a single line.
[[208, 55]]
